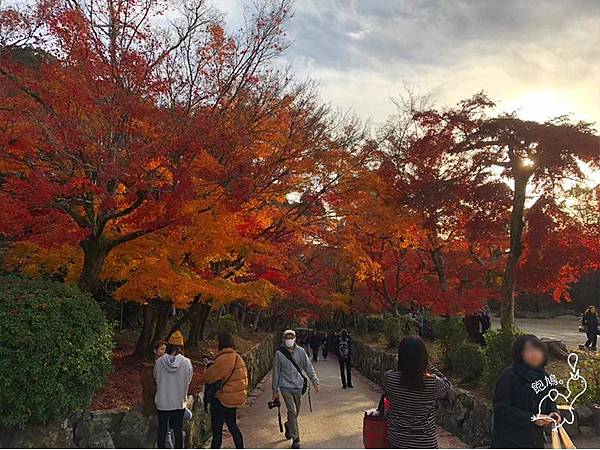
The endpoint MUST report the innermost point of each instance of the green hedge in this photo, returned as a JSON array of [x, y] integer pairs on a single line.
[[55, 350], [468, 361], [229, 323], [450, 332], [396, 328], [498, 354]]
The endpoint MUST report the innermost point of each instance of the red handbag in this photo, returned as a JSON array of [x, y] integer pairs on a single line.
[[375, 432]]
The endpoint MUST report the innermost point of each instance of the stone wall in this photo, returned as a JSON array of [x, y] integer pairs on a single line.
[[129, 428], [461, 413]]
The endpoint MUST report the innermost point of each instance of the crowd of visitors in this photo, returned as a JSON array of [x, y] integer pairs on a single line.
[[477, 324], [165, 384], [409, 393]]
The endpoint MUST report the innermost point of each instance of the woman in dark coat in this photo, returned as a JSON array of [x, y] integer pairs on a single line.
[[590, 322], [519, 391]]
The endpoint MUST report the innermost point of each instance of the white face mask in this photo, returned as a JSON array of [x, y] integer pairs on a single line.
[[289, 342]]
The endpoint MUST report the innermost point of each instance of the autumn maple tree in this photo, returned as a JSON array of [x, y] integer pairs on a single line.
[[535, 157], [148, 149], [104, 138], [456, 201]]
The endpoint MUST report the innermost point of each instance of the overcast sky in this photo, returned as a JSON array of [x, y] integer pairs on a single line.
[[541, 57]]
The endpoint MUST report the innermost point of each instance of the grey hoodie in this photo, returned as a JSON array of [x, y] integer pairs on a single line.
[[173, 375], [285, 375]]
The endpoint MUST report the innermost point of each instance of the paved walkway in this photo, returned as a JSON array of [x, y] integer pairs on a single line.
[[564, 328], [336, 420]]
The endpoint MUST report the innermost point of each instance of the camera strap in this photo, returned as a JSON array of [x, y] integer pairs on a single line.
[[279, 419], [285, 352]]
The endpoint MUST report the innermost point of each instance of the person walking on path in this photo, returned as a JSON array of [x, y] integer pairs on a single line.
[[590, 322], [344, 347], [230, 369], [325, 349], [315, 344], [516, 400], [412, 391], [485, 324], [173, 373], [289, 365]]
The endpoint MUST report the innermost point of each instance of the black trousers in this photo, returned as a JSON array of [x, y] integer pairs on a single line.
[[220, 415], [173, 418], [346, 372], [315, 353], [592, 338]]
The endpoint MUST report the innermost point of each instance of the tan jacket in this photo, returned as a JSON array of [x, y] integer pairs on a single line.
[[235, 390]]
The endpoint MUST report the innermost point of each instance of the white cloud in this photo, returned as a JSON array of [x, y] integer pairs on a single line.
[[538, 57]]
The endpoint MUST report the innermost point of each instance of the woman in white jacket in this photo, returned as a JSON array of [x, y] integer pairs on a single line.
[[173, 373]]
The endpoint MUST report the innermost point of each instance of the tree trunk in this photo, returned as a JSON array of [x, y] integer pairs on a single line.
[[256, 319], [272, 323], [221, 310], [144, 342], [438, 261], [198, 324], [95, 251], [243, 314], [517, 225], [163, 310]]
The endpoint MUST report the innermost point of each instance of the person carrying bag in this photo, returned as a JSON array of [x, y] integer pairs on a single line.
[[226, 390], [375, 430], [289, 365]]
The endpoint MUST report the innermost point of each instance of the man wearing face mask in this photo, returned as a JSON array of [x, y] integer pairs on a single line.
[[288, 366]]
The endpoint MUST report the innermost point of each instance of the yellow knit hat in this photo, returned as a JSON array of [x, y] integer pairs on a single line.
[[176, 339]]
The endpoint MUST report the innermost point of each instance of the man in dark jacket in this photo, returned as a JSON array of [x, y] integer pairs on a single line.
[[344, 349], [315, 344]]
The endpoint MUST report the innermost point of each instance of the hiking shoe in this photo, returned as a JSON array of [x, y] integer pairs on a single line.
[[344, 386], [296, 443], [350, 386], [287, 431]]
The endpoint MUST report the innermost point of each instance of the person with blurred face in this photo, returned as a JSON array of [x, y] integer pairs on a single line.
[[519, 391]]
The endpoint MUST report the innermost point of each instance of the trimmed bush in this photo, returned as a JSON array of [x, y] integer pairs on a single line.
[[369, 324], [55, 350], [590, 369], [498, 354], [396, 328], [468, 361], [450, 332], [227, 322]]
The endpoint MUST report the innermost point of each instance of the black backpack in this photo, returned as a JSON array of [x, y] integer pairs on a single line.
[[344, 349]]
